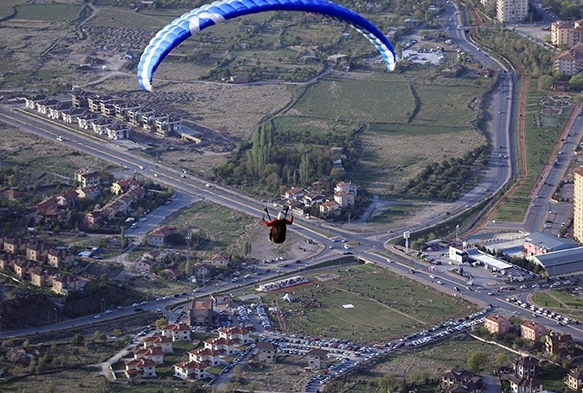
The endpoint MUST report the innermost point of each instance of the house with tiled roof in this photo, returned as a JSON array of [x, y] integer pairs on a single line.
[[532, 330], [574, 380], [123, 185], [222, 345], [14, 245], [571, 61], [60, 258], [294, 193], [458, 380], [158, 236], [192, 370], [178, 332], [88, 192], [317, 358], [205, 355], [219, 259], [329, 208], [41, 277], [165, 343], [47, 206], [220, 299], [201, 312], [153, 353], [525, 384], [496, 324], [144, 368], [237, 334], [557, 343], [346, 187], [37, 250], [266, 352], [344, 199], [69, 198], [65, 283], [526, 367], [145, 265], [7, 260], [92, 218], [87, 177], [22, 268]]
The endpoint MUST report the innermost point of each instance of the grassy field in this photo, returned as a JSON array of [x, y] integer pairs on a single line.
[[385, 306], [512, 210], [560, 302], [49, 12]]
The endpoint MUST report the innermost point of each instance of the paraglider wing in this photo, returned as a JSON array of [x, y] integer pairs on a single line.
[[199, 19]]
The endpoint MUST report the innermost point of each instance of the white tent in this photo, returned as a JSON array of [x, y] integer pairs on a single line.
[[287, 297]]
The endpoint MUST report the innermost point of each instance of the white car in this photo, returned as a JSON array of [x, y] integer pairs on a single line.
[[108, 311], [97, 316]]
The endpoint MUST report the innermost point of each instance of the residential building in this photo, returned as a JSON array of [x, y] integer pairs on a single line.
[[14, 245], [525, 384], [168, 125], [204, 355], [122, 109], [571, 61], [60, 258], [158, 236], [65, 283], [149, 122], [329, 208], [574, 380], [538, 243], [219, 259], [191, 370], [31, 102], [123, 186], [346, 187], [145, 265], [294, 193], [266, 352], [317, 358], [86, 120], [88, 192], [7, 260], [48, 206], [578, 204], [69, 198], [22, 268], [93, 218], [456, 376], [178, 332], [344, 199], [118, 131], [140, 368], [532, 330], [224, 346], [511, 11], [87, 177], [560, 32], [165, 343], [557, 343], [37, 250], [313, 198], [496, 324], [201, 313], [153, 353], [239, 335], [41, 277], [220, 299], [101, 125], [72, 115], [526, 367]]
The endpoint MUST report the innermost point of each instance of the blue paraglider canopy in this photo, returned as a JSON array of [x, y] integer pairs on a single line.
[[208, 15]]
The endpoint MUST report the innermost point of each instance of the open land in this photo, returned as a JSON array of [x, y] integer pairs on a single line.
[[345, 303]]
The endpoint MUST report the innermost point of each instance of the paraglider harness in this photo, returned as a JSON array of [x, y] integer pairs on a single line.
[[278, 228]]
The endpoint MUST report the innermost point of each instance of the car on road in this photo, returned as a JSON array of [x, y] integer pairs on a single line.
[[97, 316], [108, 311]]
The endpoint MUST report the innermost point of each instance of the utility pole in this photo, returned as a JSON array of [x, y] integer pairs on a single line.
[[56, 321]]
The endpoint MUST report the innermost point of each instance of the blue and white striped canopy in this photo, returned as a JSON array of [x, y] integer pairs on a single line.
[[200, 18]]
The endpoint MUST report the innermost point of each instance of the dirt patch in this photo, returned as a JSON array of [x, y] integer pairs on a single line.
[[327, 277]]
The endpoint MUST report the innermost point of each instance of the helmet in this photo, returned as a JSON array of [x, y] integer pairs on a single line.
[[280, 216]]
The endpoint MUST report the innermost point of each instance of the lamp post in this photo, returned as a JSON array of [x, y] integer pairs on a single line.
[[102, 305]]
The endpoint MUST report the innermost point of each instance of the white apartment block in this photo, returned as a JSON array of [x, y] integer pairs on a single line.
[[511, 10]]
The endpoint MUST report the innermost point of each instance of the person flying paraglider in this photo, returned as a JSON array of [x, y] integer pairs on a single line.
[[278, 227]]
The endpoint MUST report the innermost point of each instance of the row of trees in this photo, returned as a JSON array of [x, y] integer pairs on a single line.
[[449, 179], [266, 162]]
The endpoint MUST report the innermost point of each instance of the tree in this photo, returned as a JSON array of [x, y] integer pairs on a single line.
[[161, 322], [501, 359], [576, 82], [477, 360], [99, 337], [388, 382], [77, 339]]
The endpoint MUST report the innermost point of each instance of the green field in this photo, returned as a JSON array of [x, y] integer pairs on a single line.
[[386, 306], [512, 210], [560, 302], [49, 12]]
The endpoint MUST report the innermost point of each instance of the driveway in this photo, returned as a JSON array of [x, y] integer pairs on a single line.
[[491, 384]]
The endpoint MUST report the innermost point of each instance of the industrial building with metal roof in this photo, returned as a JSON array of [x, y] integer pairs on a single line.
[[561, 263]]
